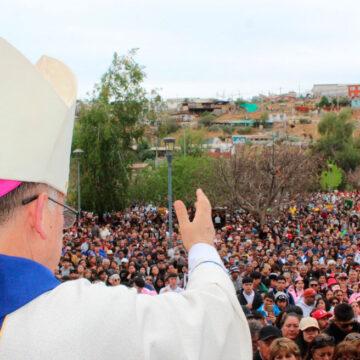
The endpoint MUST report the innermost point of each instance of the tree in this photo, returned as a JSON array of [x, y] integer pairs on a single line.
[[108, 125], [189, 173], [354, 178], [194, 142], [337, 142], [258, 178], [324, 102], [331, 178]]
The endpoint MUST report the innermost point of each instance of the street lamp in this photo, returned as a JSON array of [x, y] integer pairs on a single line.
[[79, 152], [169, 148]]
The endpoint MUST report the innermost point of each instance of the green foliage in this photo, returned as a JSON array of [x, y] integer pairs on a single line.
[[143, 151], [170, 126], [188, 173], [305, 121], [206, 119], [228, 129], [337, 142], [332, 178], [194, 141], [214, 128], [108, 125], [324, 102], [245, 130]]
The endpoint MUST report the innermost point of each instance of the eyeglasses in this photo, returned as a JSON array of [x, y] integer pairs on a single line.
[[69, 213], [314, 285], [334, 303]]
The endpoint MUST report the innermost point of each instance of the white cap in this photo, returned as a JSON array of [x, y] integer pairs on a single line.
[[37, 107]]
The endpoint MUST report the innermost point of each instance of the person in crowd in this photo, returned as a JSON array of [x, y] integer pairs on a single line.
[[290, 327], [297, 290], [172, 286], [346, 351], [284, 349], [267, 335], [321, 348], [343, 323], [322, 318], [255, 326], [281, 300], [307, 303], [309, 329], [236, 278], [247, 296]]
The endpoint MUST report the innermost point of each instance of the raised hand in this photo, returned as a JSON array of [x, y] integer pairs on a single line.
[[201, 229]]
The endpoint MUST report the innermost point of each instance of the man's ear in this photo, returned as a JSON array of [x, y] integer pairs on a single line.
[[40, 214]]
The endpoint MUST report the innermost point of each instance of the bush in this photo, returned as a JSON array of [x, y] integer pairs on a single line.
[[171, 126], [305, 121], [206, 119], [228, 129], [245, 130], [214, 128]]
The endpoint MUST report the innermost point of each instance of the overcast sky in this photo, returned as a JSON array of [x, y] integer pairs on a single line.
[[195, 48]]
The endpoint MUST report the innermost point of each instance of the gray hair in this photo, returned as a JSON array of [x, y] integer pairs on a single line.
[[255, 326], [12, 200]]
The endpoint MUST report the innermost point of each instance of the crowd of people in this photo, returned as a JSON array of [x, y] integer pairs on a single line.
[[297, 276]]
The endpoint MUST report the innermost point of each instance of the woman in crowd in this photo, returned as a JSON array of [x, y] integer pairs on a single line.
[[297, 290], [322, 304], [346, 350], [290, 327], [284, 349], [354, 302], [321, 348], [309, 329]]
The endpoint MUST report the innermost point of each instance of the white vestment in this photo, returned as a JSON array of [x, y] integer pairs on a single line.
[[78, 320]]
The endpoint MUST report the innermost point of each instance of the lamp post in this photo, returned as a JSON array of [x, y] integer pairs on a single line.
[[79, 152], [169, 147]]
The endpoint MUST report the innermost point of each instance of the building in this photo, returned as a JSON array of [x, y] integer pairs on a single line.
[[198, 106], [353, 91], [330, 90]]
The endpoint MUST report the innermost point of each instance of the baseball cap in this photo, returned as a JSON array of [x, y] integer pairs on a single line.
[[342, 275], [320, 314], [234, 269], [280, 295], [308, 322], [309, 292], [268, 332]]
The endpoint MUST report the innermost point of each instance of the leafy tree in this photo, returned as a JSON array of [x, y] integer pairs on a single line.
[[332, 178], [324, 102], [214, 128], [194, 142], [188, 174], [337, 142], [107, 126], [143, 151]]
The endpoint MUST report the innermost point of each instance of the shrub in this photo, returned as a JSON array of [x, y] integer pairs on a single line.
[[228, 129], [245, 130], [305, 121], [214, 128]]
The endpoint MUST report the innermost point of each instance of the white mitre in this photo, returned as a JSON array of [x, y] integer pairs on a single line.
[[37, 107]]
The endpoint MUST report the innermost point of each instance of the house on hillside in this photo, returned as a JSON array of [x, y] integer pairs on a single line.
[[330, 90], [198, 106], [353, 91]]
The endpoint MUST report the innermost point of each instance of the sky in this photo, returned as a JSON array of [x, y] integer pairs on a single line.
[[195, 48]]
